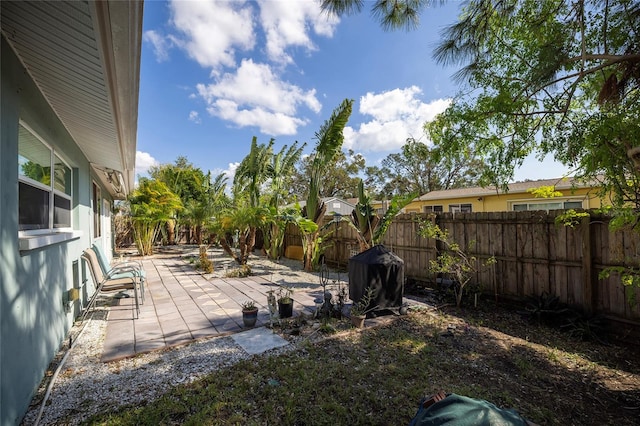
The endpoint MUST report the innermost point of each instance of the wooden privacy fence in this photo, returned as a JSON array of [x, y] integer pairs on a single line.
[[533, 255]]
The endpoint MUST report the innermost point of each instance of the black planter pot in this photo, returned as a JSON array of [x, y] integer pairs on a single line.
[[285, 309]]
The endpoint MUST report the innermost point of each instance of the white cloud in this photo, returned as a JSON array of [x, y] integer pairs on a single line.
[[195, 117], [161, 44], [255, 96], [212, 31], [396, 115], [287, 23], [215, 33], [144, 161], [230, 174]]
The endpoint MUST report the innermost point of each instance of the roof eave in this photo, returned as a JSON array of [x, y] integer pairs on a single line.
[[119, 35]]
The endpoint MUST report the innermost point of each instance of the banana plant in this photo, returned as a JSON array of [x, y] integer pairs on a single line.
[[371, 228]]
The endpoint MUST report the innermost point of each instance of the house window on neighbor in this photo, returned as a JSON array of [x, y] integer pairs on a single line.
[[460, 208], [546, 205], [44, 184], [96, 199], [433, 209]]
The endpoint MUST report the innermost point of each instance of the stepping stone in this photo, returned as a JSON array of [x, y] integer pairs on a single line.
[[258, 340]]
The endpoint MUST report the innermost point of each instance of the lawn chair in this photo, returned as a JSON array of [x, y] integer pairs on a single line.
[[126, 269], [105, 283]]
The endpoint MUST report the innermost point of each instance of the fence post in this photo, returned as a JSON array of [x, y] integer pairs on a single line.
[[588, 285]]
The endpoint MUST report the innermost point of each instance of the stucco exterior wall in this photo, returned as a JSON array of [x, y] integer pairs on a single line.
[[34, 284], [502, 202]]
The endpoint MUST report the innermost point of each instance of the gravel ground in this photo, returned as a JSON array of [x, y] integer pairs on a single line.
[[85, 386]]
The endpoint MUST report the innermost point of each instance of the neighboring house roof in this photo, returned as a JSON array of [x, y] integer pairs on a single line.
[[85, 58], [514, 188]]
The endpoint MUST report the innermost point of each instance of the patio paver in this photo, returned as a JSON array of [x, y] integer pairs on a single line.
[[181, 305]]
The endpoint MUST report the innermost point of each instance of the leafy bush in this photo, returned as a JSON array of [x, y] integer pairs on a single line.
[[239, 272], [546, 309]]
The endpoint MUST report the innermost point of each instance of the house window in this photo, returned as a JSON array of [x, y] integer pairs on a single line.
[[44, 184], [433, 209], [547, 205], [97, 201], [460, 208]]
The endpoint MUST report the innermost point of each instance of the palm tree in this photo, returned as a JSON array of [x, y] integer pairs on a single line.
[[241, 220], [198, 212], [279, 173], [189, 183], [392, 14], [330, 139], [280, 169], [152, 204], [252, 171]]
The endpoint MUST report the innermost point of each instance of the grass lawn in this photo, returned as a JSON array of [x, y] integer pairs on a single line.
[[377, 376]]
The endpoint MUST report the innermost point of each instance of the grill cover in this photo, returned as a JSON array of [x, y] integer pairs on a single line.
[[381, 269]]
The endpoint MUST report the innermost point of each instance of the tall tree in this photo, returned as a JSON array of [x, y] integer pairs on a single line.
[[392, 14], [329, 144], [214, 200], [340, 175], [280, 172], [280, 176], [552, 77], [557, 77], [189, 183], [252, 173], [418, 168]]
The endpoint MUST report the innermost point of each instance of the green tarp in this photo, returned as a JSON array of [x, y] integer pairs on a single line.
[[463, 411]]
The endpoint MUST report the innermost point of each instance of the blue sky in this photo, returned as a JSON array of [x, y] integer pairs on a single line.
[[216, 73]]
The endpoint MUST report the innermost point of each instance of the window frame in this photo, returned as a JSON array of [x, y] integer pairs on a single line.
[[461, 208], [562, 201], [438, 208], [50, 189]]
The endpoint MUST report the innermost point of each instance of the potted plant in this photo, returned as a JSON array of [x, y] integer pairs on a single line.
[[249, 313], [360, 309], [285, 302]]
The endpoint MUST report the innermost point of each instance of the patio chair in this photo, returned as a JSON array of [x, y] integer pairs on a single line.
[[125, 269], [104, 283]]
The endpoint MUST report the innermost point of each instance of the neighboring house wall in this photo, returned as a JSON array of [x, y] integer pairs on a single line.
[[469, 200], [333, 205], [34, 316], [336, 205]]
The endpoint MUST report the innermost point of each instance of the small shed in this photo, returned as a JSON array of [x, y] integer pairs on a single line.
[[381, 269]]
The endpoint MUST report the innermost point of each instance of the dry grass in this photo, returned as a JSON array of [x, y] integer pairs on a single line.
[[377, 376]]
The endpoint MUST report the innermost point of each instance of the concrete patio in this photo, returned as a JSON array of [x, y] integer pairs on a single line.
[[182, 305]]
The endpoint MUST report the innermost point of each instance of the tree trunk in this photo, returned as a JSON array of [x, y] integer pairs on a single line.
[[310, 243], [199, 234], [227, 248], [248, 241], [171, 232]]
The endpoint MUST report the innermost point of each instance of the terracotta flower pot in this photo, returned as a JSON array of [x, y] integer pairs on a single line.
[[358, 320]]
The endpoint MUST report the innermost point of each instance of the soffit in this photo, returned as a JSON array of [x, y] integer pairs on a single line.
[[85, 59]]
